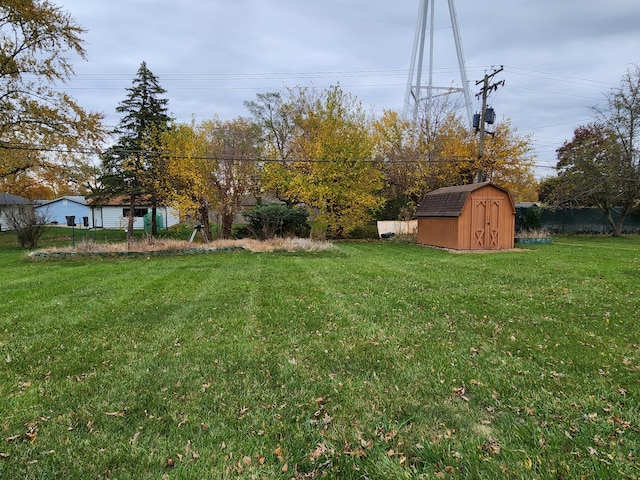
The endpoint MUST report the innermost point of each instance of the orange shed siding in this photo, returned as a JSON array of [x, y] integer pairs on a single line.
[[438, 231], [486, 222]]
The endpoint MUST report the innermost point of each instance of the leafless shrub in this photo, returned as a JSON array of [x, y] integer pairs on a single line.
[[27, 223]]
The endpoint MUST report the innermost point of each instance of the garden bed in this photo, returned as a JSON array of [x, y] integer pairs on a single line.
[[532, 240], [173, 247]]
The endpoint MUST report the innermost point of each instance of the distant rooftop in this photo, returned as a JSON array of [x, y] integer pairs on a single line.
[[9, 199]]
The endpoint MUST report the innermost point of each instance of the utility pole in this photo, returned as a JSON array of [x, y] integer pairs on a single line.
[[486, 115]]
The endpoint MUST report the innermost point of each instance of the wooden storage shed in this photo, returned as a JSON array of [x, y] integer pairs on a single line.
[[478, 216]]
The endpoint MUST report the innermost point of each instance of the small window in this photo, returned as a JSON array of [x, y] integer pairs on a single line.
[[138, 212]]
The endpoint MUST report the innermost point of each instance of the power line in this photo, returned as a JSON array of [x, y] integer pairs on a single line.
[[440, 159]]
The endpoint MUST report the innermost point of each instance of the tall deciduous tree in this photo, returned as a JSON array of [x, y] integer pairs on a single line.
[[593, 170], [441, 151], [600, 166], [508, 161], [134, 166], [335, 172], [276, 115], [232, 156], [212, 165], [189, 173], [43, 131], [401, 152], [322, 154]]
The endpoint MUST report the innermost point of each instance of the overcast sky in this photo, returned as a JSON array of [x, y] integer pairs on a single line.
[[559, 56]]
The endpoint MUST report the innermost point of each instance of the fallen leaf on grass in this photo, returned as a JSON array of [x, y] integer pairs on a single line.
[[491, 446], [386, 436], [461, 392], [32, 432], [591, 417], [358, 452], [320, 450], [366, 443], [278, 453]]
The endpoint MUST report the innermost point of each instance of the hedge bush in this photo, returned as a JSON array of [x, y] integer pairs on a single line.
[[276, 220]]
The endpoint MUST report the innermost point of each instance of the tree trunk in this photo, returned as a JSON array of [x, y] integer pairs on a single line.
[[203, 214], [131, 218], [154, 221], [616, 226], [227, 224]]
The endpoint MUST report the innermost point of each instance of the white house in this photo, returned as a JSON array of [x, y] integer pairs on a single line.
[[8, 201], [113, 213]]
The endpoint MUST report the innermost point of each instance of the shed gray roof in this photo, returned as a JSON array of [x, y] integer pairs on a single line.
[[9, 199], [448, 201]]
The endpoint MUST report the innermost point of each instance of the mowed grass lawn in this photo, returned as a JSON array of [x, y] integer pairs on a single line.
[[377, 360]]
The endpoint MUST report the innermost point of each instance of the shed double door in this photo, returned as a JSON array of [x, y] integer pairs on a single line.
[[485, 220]]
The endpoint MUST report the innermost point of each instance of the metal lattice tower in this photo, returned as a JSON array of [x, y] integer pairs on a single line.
[[417, 91]]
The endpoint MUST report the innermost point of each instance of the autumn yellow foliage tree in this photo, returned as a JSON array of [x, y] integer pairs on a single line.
[[439, 150], [212, 166], [334, 171], [232, 150], [45, 136], [276, 115], [188, 173], [406, 161], [319, 152], [506, 160]]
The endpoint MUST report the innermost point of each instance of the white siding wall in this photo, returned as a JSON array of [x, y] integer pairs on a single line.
[[4, 223], [112, 218], [171, 217]]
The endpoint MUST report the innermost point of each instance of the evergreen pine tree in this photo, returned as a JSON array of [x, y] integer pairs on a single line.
[[133, 166]]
